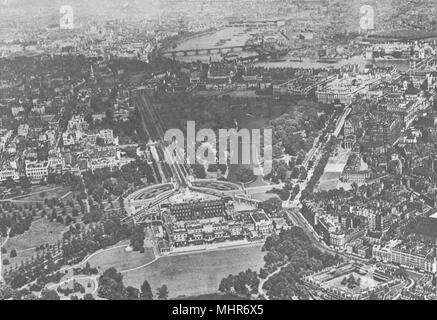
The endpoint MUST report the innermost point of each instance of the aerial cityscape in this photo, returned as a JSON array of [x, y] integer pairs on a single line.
[[218, 150]]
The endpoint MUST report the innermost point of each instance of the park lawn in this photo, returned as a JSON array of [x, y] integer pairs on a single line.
[[120, 259], [196, 273], [331, 177], [264, 196], [40, 233], [39, 194], [329, 181]]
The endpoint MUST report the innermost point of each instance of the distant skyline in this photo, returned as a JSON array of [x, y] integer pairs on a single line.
[[83, 8]]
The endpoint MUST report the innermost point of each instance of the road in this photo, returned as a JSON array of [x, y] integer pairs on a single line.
[[78, 265], [342, 119], [315, 154], [299, 220], [86, 259], [7, 238]]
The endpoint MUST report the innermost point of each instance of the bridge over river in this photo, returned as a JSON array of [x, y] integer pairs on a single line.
[[187, 52]]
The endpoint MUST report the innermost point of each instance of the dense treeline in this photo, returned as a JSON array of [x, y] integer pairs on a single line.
[[102, 183], [293, 250], [320, 168], [291, 254], [244, 284], [18, 223], [77, 243]]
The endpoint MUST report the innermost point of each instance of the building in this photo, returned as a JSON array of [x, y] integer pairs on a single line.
[[198, 210], [9, 170], [219, 71], [355, 170], [406, 258], [385, 131], [262, 223], [343, 90], [107, 136], [36, 171]]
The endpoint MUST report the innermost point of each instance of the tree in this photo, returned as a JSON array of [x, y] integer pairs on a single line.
[[9, 183], [29, 296], [6, 262], [13, 253], [68, 220], [54, 214], [137, 239], [373, 296], [132, 293], [163, 293], [272, 205], [88, 296], [111, 285], [94, 215], [75, 213], [199, 171], [146, 291], [25, 182], [355, 187], [100, 141], [5, 292], [245, 175], [295, 173], [49, 295]]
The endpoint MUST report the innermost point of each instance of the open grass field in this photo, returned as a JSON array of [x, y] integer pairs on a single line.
[[216, 185], [38, 194], [264, 196], [329, 181], [120, 259], [197, 273], [41, 232], [366, 283], [331, 178]]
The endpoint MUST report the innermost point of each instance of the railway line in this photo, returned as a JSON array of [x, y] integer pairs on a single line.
[[153, 126]]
